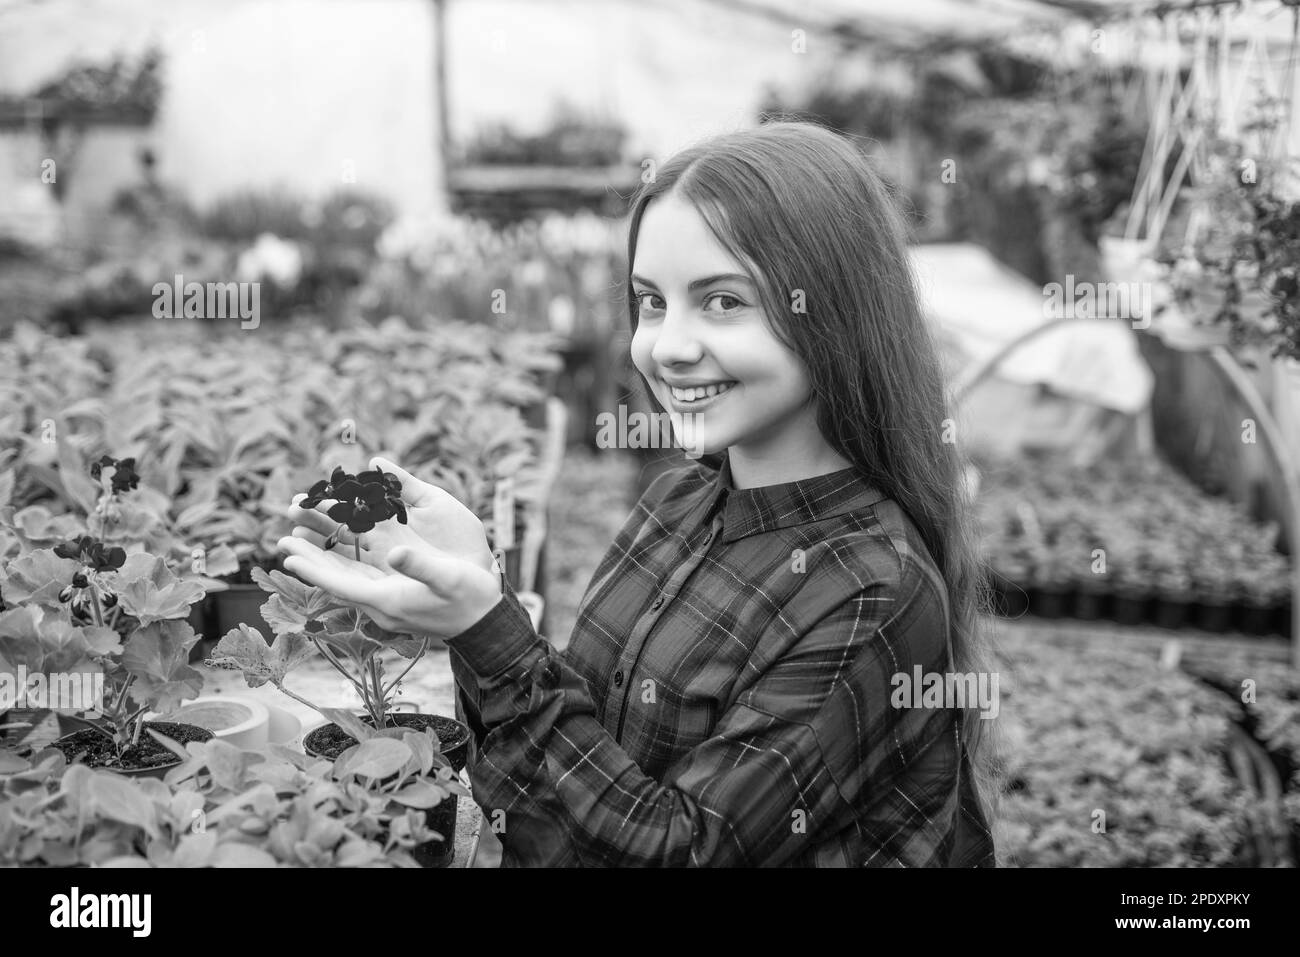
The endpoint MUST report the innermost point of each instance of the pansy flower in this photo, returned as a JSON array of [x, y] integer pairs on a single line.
[[125, 477], [91, 551], [361, 501]]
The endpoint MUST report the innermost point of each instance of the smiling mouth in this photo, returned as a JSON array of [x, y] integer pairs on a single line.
[[701, 392]]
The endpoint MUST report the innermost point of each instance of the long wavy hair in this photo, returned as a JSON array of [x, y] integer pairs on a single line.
[[803, 207]]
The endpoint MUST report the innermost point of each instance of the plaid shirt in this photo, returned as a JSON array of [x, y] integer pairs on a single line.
[[725, 696]]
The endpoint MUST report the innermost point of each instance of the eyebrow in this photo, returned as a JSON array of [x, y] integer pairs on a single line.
[[699, 283]]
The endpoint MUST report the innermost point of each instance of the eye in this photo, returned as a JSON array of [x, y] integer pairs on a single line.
[[645, 307], [728, 302]]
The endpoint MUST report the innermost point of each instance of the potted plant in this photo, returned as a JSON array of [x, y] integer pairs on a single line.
[[1172, 595], [86, 608], [1262, 589], [223, 807], [1052, 576], [303, 618], [1216, 587]]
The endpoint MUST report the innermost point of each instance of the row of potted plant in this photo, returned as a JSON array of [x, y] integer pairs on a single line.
[[372, 789], [1135, 541], [1114, 761], [224, 436]]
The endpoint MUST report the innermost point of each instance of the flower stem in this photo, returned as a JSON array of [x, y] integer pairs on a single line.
[[94, 605], [299, 698], [424, 646], [338, 666]]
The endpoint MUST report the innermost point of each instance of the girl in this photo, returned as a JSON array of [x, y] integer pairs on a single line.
[[729, 694]]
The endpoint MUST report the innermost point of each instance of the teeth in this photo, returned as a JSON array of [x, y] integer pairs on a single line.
[[695, 393]]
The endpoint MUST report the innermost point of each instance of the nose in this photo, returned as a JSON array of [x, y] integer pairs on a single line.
[[676, 342]]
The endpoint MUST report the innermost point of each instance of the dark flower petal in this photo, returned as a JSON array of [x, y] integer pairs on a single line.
[[338, 476], [115, 558], [372, 495], [399, 509], [319, 489], [311, 501], [340, 511], [360, 523], [348, 490], [368, 477]]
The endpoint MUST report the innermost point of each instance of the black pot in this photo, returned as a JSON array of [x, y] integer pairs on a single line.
[[1214, 615], [1169, 612], [1282, 620], [455, 738], [200, 620], [1090, 604], [71, 744], [1255, 619], [1130, 609], [1009, 600], [239, 604], [1050, 601]]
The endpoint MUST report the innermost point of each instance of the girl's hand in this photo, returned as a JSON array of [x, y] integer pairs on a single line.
[[421, 590], [433, 517]]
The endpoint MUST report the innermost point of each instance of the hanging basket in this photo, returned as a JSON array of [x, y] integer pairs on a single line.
[[1125, 260]]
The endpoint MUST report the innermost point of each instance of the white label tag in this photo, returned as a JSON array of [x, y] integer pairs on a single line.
[[503, 513]]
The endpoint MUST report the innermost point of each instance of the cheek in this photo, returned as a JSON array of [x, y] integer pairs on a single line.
[[642, 344]]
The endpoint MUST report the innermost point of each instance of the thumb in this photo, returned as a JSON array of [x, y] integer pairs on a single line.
[[426, 565]]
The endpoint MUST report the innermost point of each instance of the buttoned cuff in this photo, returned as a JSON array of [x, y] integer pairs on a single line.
[[499, 639]]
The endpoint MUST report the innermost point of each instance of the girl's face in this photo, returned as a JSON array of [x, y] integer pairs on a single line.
[[707, 350]]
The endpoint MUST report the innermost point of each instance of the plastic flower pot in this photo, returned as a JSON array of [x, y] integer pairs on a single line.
[[1213, 613], [1010, 600], [200, 620], [240, 604], [1255, 617], [1169, 611], [1130, 608], [1050, 601], [329, 741], [1090, 601], [146, 759], [241, 720]]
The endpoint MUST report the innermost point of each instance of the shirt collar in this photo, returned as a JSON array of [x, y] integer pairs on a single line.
[[750, 511]]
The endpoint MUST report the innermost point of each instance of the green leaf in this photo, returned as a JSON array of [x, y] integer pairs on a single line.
[[158, 656], [293, 603], [78, 489], [38, 577], [350, 723], [232, 854], [247, 650], [157, 595], [377, 758], [195, 849], [118, 799], [421, 794]]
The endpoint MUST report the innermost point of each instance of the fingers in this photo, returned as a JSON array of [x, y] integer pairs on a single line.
[[435, 569], [414, 491], [344, 578], [310, 517]]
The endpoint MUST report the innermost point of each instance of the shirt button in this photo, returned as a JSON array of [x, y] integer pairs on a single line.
[[618, 678], [658, 603]]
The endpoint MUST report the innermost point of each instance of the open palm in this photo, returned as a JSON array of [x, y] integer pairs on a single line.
[[420, 590], [434, 517]]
